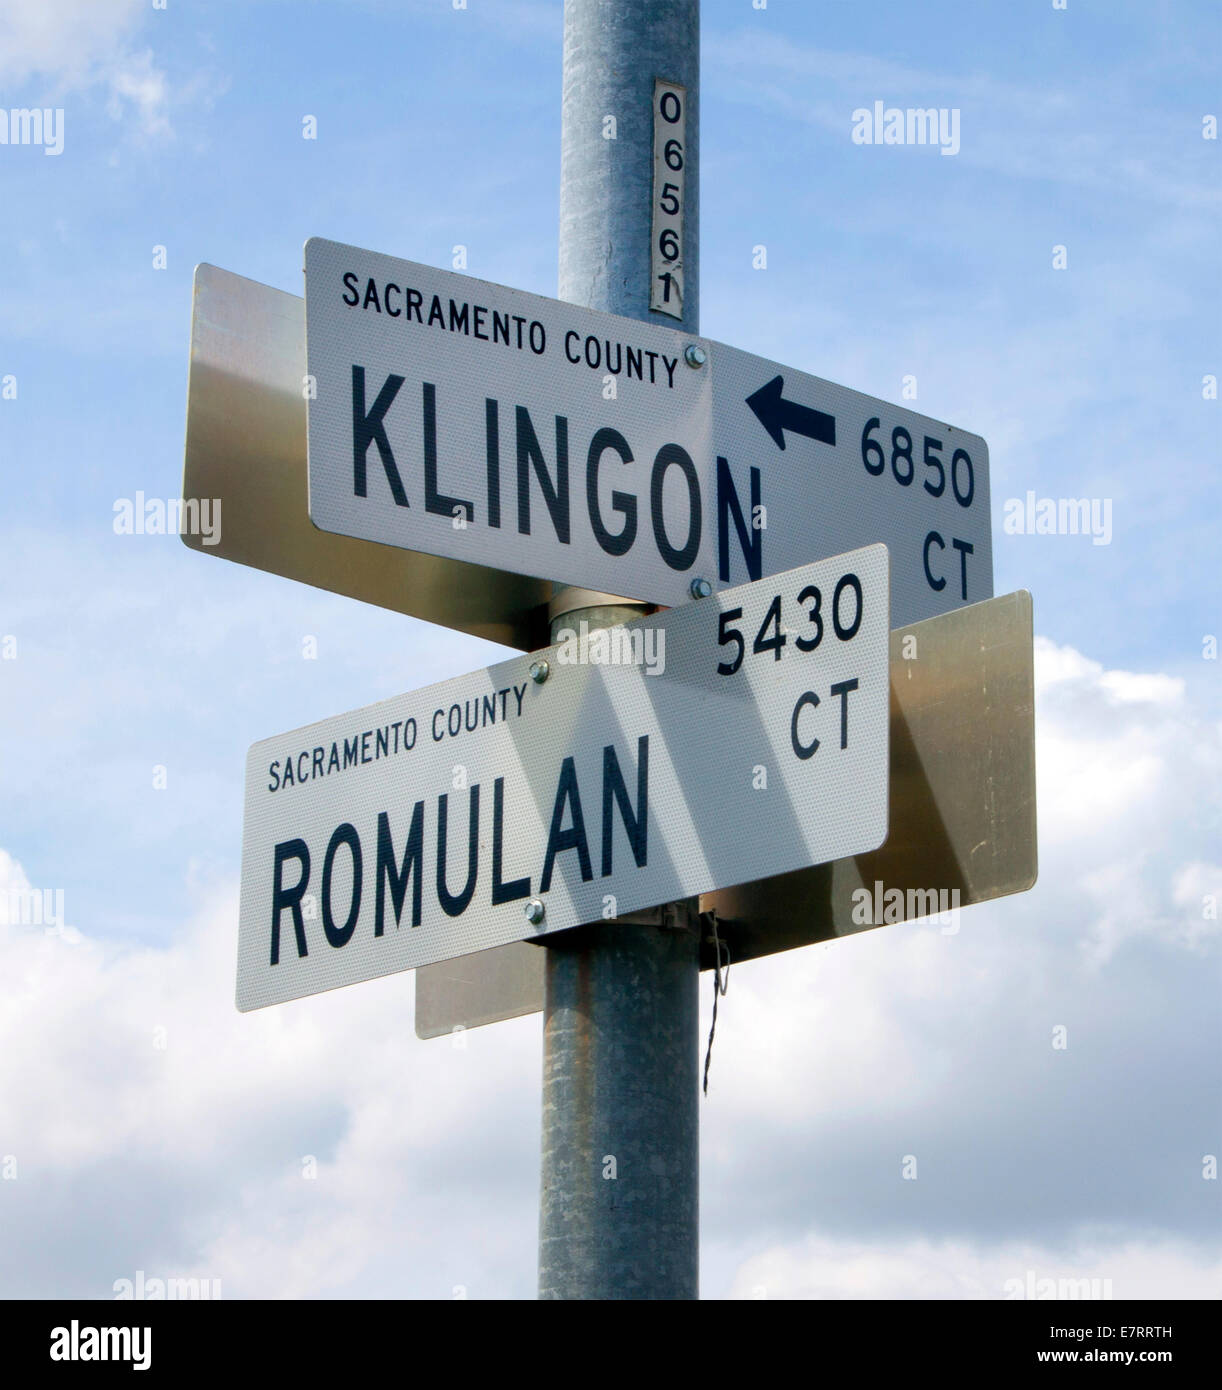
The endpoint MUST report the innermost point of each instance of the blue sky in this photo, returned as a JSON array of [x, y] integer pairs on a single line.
[[1080, 128]]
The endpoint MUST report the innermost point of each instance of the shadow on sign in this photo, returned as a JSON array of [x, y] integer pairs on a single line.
[[962, 820]]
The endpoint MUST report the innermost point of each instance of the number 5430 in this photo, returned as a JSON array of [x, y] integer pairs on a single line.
[[845, 612]]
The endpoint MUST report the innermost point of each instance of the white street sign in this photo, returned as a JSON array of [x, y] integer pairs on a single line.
[[728, 740], [462, 419]]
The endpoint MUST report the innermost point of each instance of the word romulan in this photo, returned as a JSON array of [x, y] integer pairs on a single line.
[[394, 870]]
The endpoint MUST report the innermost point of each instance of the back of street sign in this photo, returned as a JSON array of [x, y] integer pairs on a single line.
[[246, 452]]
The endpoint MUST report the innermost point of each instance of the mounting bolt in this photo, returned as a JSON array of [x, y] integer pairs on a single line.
[[701, 588], [534, 911], [539, 671], [694, 355]]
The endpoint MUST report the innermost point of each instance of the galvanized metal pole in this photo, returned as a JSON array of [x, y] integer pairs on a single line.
[[619, 1207]]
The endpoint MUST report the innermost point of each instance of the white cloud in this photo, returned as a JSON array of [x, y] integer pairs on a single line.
[[135, 81], [74, 45], [1127, 772], [67, 40], [1197, 891], [12, 881], [1060, 667]]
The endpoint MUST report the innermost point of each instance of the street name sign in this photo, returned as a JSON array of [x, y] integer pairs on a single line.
[[741, 736], [466, 420], [962, 825]]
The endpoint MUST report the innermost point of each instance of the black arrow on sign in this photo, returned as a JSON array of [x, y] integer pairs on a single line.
[[778, 415]]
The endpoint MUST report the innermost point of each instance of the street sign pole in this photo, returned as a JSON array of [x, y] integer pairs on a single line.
[[619, 1201]]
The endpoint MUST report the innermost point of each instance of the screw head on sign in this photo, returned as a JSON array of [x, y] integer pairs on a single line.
[[694, 355], [701, 588], [534, 911], [539, 671]]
